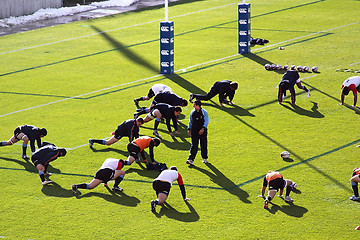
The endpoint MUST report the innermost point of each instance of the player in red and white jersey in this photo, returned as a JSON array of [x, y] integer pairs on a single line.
[[350, 84], [109, 170], [276, 181], [354, 184], [163, 183]]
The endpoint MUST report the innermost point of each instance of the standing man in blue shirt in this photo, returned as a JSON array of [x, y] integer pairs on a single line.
[[197, 129]]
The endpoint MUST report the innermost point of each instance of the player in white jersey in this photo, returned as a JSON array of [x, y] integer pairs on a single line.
[[163, 183], [109, 170], [154, 90], [350, 84]]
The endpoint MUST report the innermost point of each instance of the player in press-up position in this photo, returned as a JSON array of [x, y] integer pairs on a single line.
[[350, 84], [288, 81], [42, 158], [154, 90], [354, 180], [163, 183], [275, 181], [138, 145], [26, 133], [224, 88], [111, 169], [129, 128]]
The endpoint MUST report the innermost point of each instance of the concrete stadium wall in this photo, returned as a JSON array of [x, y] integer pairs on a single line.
[[17, 8]]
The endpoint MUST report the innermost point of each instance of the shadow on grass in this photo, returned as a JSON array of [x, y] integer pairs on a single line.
[[152, 174], [288, 159], [220, 179], [291, 209], [179, 142], [55, 190], [314, 113], [170, 212], [110, 149], [28, 166], [120, 198]]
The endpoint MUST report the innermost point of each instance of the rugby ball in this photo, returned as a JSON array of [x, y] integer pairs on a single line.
[[314, 69], [278, 67], [285, 154], [306, 68], [267, 66], [273, 66], [299, 68], [286, 67], [293, 67]]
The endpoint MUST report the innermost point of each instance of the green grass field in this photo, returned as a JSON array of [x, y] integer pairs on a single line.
[[79, 80]]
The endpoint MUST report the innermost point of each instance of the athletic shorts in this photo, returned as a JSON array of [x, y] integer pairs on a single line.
[[151, 114], [150, 93], [161, 187], [117, 134], [277, 184], [37, 161], [134, 150], [17, 131], [105, 174]]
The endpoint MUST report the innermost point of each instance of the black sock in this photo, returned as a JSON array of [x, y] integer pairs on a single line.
[[305, 89], [288, 190], [356, 190], [99, 141], [156, 125], [118, 180], [82, 185], [24, 150]]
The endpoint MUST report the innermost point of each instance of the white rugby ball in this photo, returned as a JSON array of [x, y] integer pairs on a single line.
[[267, 66], [314, 69], [306, 68], [285, 154]]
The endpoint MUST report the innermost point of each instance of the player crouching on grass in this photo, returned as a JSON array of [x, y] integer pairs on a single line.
[[163, 183], [110, 170], [354, 184], [275, 181], [43, 156]]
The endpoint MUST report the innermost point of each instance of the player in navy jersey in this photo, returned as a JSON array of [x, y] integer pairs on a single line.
[[129, 128], [42, 158], [109, 170], [197, 129], [163, 183], [165, 111], [224, 88], [27, 133], [288, 81]]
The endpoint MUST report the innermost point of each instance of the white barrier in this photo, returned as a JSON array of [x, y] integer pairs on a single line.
[[17, 8]]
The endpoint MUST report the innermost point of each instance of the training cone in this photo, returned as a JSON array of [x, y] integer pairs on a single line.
[[357, 228]]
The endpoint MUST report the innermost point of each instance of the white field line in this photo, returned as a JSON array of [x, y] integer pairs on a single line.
[[193, 66], [354, 63], [116, 29]]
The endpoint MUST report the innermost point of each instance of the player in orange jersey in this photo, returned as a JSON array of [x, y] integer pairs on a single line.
[[276, 181], [138, 145]]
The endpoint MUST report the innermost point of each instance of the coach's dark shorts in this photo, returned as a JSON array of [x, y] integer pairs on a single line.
[[105, 174], [277, 184], [161, 187]]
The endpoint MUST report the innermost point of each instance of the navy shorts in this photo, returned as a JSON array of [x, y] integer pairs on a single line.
[[161, 187], [105, 174]]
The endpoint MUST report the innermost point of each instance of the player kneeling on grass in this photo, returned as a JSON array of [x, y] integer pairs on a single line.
[[110, 170], [138, 145], [354, 184], [43, 156], [163, 183], [275, 181]]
